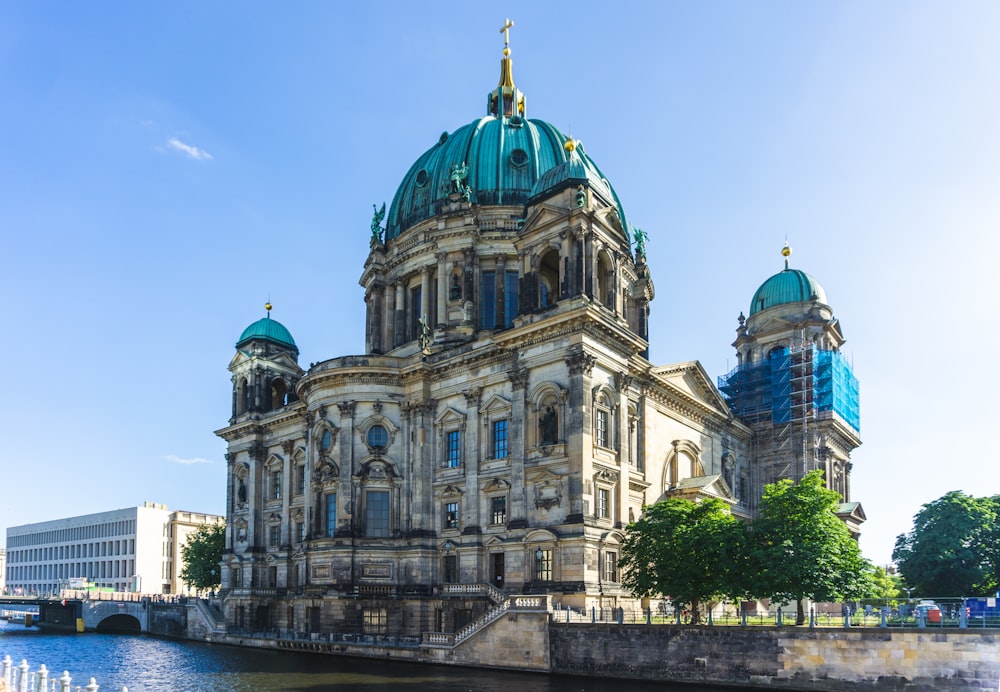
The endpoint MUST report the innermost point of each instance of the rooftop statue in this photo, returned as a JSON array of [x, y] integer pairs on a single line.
[[377, 217], [640, 244]]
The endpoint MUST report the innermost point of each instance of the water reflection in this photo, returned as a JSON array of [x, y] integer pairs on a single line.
[[157, 665]]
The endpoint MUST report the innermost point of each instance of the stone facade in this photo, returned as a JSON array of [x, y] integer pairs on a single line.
[[504, 424]]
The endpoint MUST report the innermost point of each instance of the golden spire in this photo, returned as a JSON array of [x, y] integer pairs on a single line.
[[506, 66], [506, 101], [785, 252]]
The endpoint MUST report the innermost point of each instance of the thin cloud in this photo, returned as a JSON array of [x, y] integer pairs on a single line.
[[174, 459], [192, 151]]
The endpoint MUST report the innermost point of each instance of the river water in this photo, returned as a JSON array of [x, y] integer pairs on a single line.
[[148, 664]]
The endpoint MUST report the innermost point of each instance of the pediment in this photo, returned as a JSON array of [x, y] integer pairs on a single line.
[[691, 380], [542, 215], [449, 491], [450, 417], [699, 487], [495, 403]]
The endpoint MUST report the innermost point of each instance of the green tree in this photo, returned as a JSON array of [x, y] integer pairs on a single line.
[[799, 549], [682, 549], [202, 553], [952, 549]]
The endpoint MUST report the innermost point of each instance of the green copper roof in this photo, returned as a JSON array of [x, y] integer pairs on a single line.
[[269, 330], [499, 159], [788, 286]]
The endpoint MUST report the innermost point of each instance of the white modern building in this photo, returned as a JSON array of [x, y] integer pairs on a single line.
[[131, 549]]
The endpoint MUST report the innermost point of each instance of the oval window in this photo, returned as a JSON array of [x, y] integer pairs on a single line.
[[421, 177], [378, 436], [518, 158]]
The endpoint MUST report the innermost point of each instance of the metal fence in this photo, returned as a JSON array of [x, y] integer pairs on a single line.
[[946, 612]]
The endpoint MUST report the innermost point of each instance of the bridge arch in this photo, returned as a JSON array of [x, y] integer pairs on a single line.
[[121, 623]]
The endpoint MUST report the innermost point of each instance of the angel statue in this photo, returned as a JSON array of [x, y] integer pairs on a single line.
[[377, 217], [640, 243]]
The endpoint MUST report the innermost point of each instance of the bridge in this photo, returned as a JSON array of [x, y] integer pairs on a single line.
[[104, 613]]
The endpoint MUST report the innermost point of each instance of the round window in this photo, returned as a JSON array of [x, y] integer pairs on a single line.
[[421, 177], [518, 158], [378, 436]]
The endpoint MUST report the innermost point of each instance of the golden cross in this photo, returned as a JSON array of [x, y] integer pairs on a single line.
[[506, 32]]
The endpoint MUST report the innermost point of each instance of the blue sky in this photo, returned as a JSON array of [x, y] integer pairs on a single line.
[[167, 167]]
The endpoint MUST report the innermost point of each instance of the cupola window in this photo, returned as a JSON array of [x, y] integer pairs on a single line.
[[518, 158]]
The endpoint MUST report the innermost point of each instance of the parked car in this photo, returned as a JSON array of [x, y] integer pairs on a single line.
[[930, 611]]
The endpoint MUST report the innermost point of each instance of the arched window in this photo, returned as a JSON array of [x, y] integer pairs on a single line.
[[378, 437], [279, 394], [548, 279], [604, 283]]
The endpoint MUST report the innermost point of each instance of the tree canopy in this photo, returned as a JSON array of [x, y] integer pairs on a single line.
[[682, 549], [953, 548], [799, 548], [202, 553]]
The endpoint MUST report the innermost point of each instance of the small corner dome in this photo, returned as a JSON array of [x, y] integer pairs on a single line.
[[267, 329], [787, 286]]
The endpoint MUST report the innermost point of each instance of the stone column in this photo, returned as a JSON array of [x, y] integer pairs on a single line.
[[578, 426], [425, 293], [399, 319], [623, 381], [518, 492], [389, 318], [346, 499], [442, 290], [471, 519]]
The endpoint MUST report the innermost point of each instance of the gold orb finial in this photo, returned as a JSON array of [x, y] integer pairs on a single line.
[[786, 251], [268, 306], [570, 145]]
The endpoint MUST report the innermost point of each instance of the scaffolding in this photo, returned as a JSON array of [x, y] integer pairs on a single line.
[[786, 400]]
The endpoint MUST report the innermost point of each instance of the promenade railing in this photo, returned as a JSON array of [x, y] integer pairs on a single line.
[[950, 612], [20, 678]]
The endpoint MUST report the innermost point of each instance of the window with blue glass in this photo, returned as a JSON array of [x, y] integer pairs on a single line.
[[488, 301], [451, 515], [331, 514], [499, 440], [454, 448], [378, 436], [510, 298], [377, 513]]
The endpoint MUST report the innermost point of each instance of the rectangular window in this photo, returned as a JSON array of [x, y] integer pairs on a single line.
[[300, 531], [498, 510], [610, 566], [300, 480], [454, 448], [543, 565], [603, 503], [510, 298], [450, 569], [275, 485], [374, 621], [274, 534], [488, 301], [601, 430], [451, 515], [331, 514], [377, 513], [499, 441]]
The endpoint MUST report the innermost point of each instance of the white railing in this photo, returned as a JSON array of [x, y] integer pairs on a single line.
[[21, 678], [494, 594]]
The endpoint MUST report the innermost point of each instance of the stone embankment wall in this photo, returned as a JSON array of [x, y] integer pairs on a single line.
[[799, 659]]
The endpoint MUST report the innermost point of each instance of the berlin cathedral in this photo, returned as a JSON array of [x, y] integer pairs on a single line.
[[504, 423]]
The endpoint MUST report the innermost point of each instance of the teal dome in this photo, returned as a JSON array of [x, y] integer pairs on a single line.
[[788, 286], [502, 158], [268, 330]]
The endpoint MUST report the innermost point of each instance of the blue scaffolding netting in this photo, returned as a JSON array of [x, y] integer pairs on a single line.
[[786, 383]]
